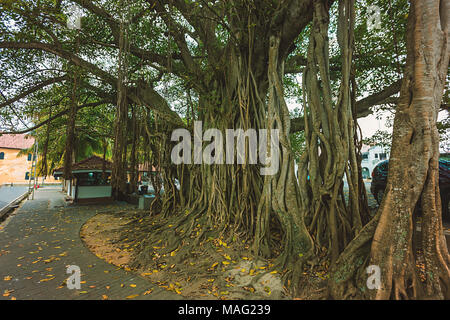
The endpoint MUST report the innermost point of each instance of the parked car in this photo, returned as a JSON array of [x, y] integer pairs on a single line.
[[379, 181]]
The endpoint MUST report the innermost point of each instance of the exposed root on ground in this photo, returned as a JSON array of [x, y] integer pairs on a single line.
[[180, 254]]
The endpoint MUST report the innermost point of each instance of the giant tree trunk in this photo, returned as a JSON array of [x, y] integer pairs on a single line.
[[70, 132], [413, 167], [43, 170], [235, 202], [224, 200], [119, 166], [413, 174]]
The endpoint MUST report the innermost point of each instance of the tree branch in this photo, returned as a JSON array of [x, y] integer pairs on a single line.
[[33, 89], [60, 114], [143, 94], [178, 35], [56, 50]]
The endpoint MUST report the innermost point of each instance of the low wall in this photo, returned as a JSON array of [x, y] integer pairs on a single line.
[[89, 192]]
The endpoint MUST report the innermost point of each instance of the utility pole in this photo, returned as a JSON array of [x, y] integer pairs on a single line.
[[35, 158], [33, 171]]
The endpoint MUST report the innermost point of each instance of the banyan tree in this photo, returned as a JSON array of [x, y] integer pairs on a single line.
[[155, 66]]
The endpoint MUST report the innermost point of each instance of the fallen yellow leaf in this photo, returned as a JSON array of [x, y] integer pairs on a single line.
[[148, 292]]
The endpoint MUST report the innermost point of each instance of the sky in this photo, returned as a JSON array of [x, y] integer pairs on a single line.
[[370, 124]]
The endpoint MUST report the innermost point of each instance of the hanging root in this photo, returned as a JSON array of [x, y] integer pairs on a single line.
[[347, 274]]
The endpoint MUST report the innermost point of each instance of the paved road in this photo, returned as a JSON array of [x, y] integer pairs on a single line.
[[42, 238], [8, 194]]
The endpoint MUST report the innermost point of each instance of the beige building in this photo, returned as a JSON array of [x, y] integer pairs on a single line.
[[13, 168]]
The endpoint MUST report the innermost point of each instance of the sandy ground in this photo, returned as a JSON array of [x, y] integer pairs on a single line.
[[99, 234]]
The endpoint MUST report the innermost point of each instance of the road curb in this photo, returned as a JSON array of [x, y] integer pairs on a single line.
[[9, 206]]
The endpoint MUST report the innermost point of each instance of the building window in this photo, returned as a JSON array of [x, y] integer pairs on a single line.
[[2, 155], [365, 156], [29, 157], [376, 155], [93, 179], [27, 176], [383, 156]]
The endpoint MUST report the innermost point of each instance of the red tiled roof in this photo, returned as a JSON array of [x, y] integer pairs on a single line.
[[91, 163], [16, 141]]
